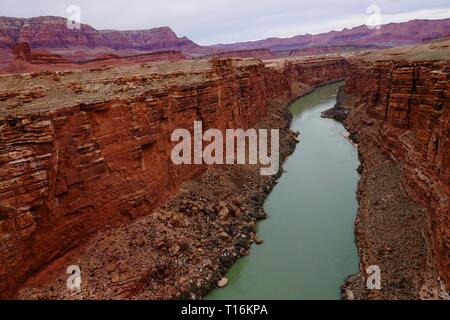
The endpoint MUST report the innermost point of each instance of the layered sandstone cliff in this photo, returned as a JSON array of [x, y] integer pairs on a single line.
[[399, 113], [81, 151]]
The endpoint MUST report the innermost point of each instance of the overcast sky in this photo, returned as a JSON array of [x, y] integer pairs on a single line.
[[226, 21]]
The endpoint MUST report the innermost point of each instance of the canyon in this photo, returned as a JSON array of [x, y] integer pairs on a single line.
[[389, 35], [83, 150], [87, 177]]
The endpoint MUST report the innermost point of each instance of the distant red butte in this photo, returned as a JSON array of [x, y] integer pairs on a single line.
[[23, 59], [58, 45]]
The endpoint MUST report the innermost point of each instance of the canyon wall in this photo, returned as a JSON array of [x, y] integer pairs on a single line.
[[81, 151], [402, 108]]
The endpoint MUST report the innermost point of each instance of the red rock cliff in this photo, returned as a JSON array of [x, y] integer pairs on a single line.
[[403, 108], [83, 150]]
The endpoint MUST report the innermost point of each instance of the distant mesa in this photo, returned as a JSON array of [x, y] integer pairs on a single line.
[[389, 35], [52, 32]]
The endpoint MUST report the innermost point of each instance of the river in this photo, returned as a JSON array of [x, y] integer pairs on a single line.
[[309, 247]]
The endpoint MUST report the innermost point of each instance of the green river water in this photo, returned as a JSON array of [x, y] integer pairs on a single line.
[[309, 247]]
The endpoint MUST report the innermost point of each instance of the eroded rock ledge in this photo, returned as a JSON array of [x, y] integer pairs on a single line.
[[85, 161]]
